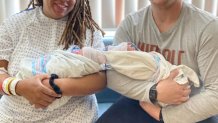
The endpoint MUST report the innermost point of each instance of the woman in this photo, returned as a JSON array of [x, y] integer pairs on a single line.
[[50, 25]]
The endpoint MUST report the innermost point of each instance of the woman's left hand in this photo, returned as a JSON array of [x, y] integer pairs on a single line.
[[151, 109]]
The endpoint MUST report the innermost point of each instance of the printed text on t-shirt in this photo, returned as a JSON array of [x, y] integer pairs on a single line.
[[171, 55]]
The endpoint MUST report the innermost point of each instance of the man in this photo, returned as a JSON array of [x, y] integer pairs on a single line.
[[184, 35]]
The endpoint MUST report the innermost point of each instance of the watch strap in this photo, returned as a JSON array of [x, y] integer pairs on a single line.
[[53, 85]]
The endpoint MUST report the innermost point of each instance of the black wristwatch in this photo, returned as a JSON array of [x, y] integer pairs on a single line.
[[153, 94]]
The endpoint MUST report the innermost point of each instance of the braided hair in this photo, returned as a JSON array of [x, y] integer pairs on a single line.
[[79, 19]]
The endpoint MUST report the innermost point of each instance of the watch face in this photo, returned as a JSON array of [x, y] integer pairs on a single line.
[[153, 94]]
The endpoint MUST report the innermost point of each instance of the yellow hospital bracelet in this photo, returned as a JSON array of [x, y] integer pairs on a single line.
[[5, 85]]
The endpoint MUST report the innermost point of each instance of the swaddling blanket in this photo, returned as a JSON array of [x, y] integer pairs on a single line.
[[62, 63], [150, 66]]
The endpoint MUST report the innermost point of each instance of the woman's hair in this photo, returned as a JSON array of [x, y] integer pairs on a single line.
[[79, 19]]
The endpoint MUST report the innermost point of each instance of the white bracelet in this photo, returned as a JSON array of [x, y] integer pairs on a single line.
[[13, 86], [5, 85]]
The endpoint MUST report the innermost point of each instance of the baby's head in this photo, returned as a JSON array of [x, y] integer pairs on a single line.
[[94, 55]]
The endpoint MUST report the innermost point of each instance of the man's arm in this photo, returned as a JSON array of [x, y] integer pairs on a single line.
[[140, 89], [204, 104]]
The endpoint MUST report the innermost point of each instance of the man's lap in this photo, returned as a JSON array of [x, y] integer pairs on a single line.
[[210, 120], [126, 110]]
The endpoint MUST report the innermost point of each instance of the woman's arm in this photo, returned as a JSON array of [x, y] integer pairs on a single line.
[[80, 86]]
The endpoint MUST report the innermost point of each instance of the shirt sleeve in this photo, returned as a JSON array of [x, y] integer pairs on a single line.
[[204, 104], [135, 89], [6, 44]]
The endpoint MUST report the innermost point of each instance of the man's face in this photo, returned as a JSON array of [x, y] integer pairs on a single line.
[[162, 3]]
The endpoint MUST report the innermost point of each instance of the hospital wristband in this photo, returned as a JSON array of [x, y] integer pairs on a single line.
[[6, 84], [13, 86]]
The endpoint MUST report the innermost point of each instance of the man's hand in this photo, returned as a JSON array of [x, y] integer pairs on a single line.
[[35, 92], [151, 109], [170, 92]]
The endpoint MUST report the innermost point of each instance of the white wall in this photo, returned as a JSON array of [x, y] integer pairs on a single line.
[[2, 10], [10, 7], [96, 10]]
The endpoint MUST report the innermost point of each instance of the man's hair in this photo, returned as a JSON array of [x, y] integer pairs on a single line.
[[79, 19]]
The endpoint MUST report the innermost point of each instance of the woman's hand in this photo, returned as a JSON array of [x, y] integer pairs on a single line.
[[35, 92], [170, 92], [151, 109], [45, 82]]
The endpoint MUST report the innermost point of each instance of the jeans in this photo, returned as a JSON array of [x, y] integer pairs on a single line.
[[127, 110]]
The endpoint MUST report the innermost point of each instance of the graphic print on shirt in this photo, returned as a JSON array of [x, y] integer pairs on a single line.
[[171, 55]]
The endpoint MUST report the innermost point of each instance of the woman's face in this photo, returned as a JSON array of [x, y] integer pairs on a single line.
[[58, 9]]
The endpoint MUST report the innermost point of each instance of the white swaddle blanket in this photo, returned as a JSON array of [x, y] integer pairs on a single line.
[[62, 63], [134, 64], [148, 66]]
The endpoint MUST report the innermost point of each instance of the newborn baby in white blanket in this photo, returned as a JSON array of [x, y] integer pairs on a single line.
[[134, 64]]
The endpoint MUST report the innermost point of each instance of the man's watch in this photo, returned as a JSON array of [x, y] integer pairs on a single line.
[[153, 94]]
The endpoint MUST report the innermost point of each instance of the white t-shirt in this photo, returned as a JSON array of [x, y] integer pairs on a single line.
[[191, 41], [31, 34]]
